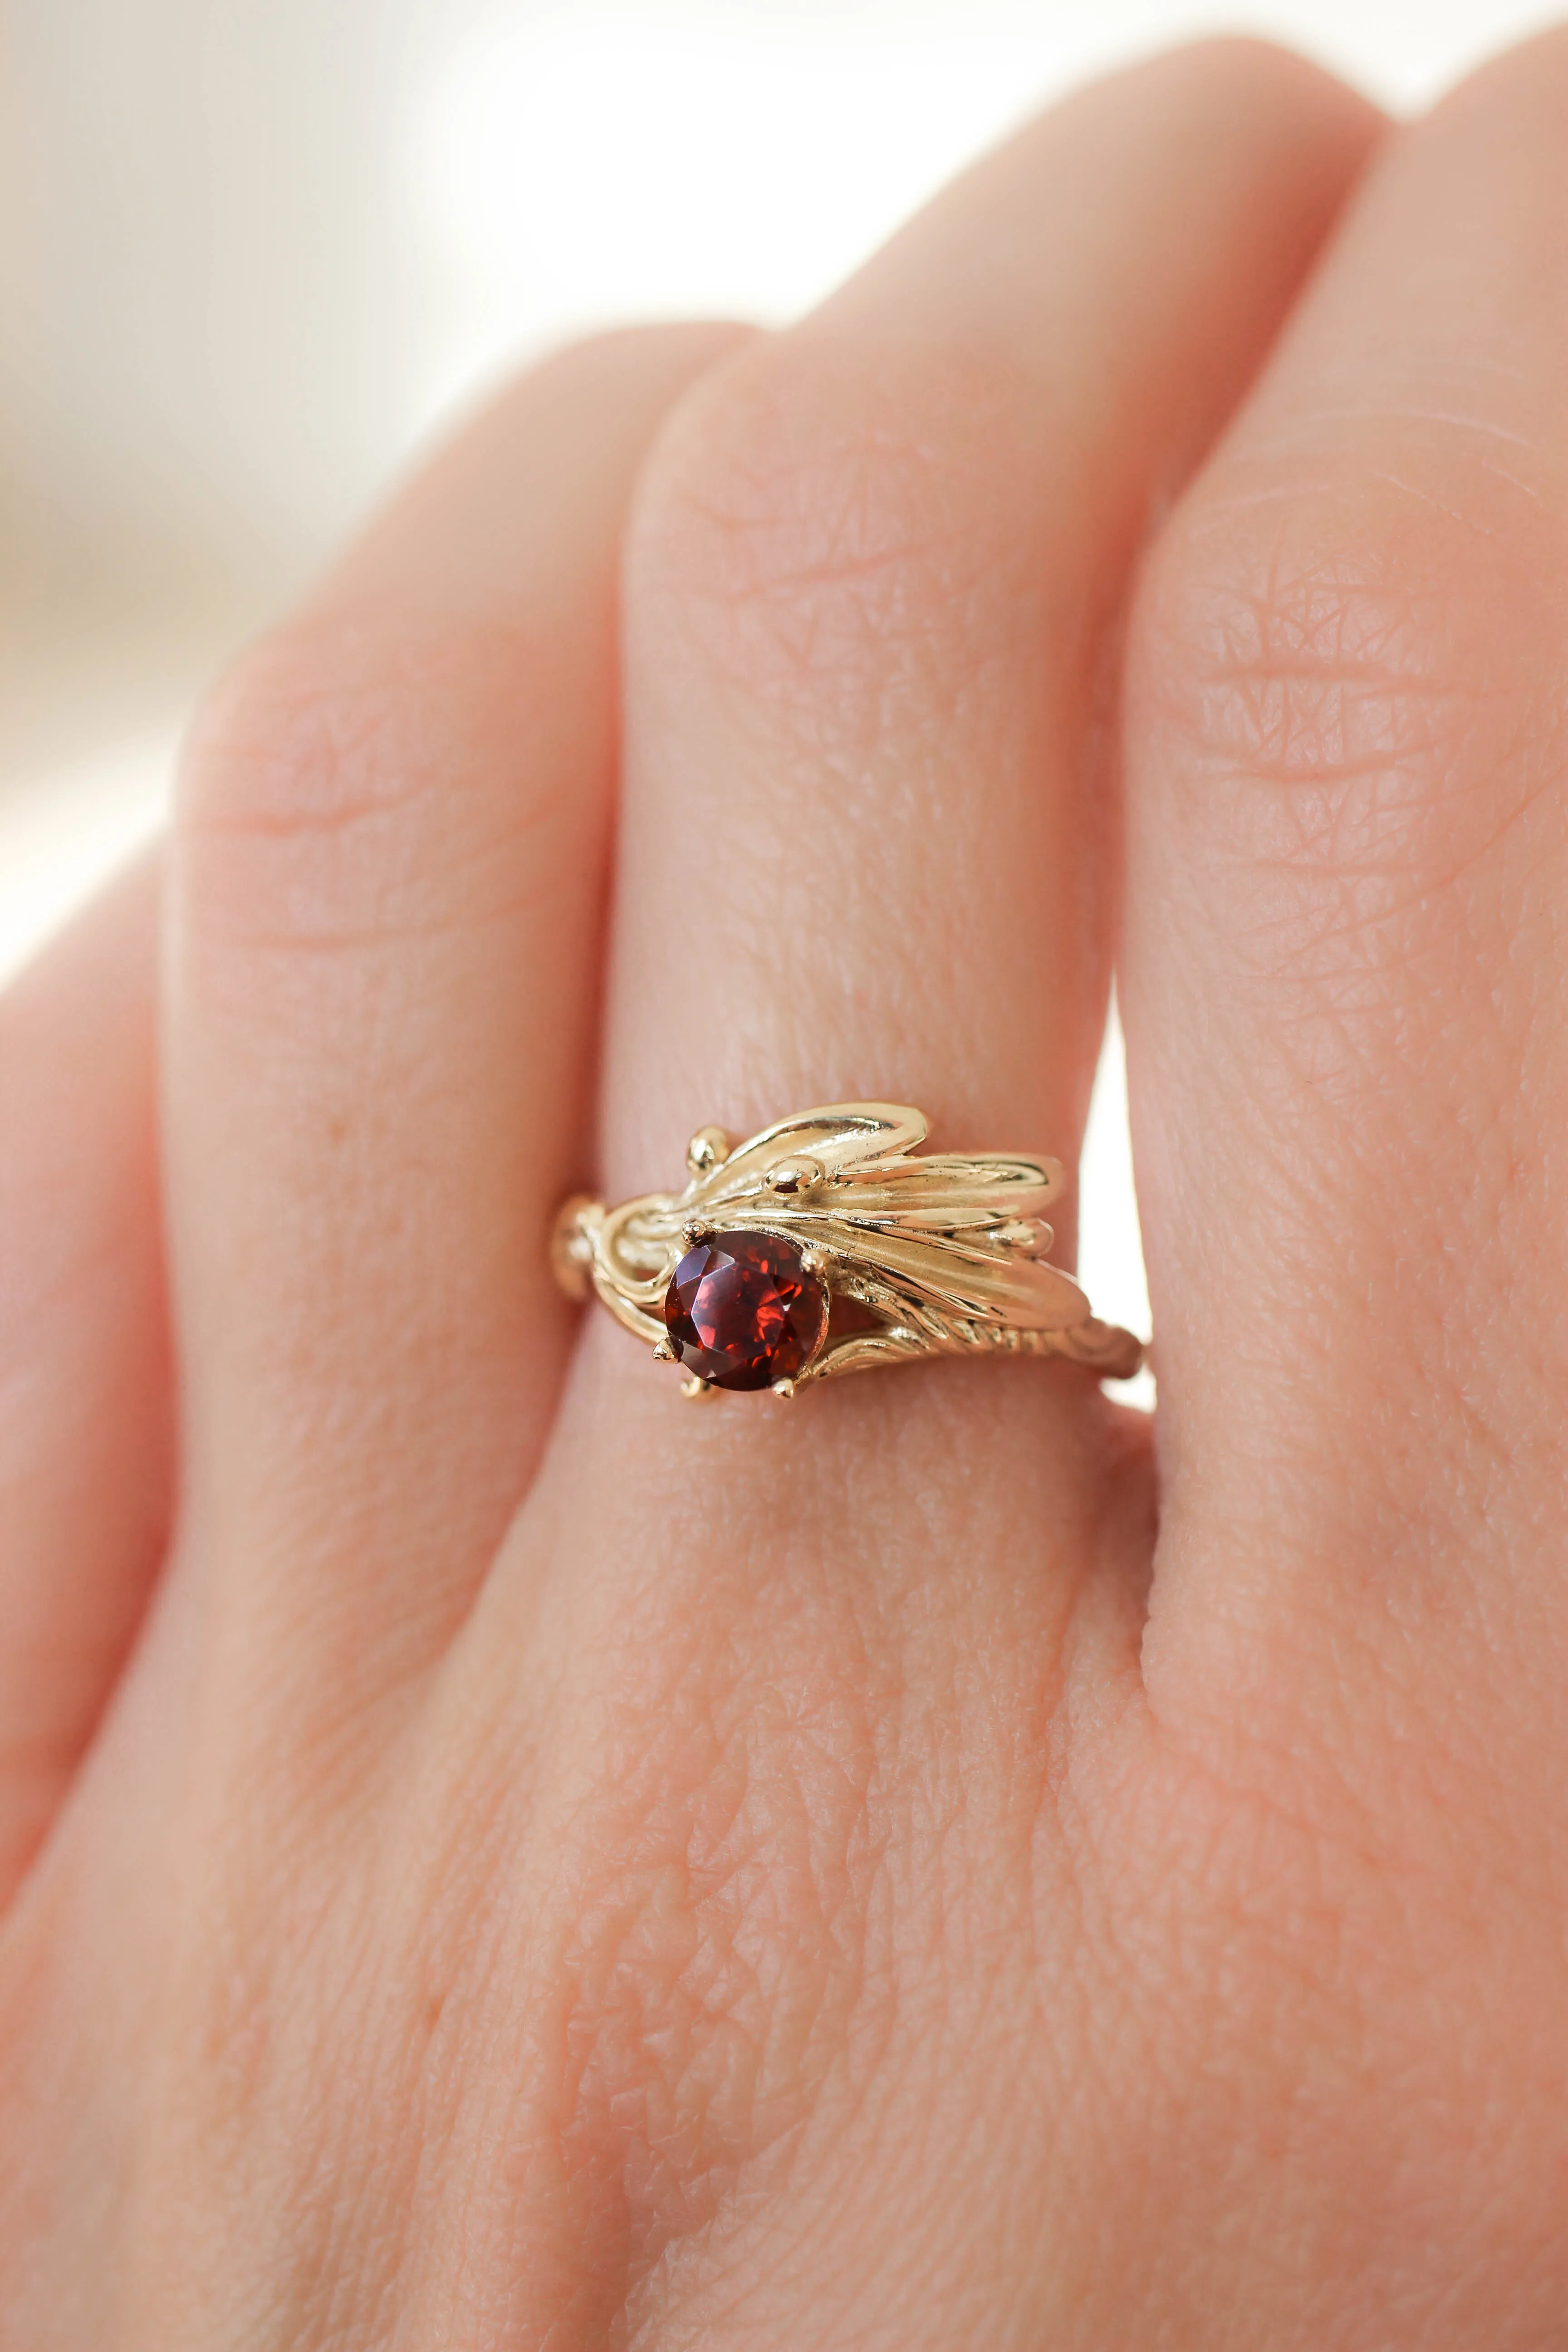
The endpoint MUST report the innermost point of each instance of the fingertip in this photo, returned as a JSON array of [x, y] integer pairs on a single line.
[[1533, 73], [445, 541], [1275, 92]]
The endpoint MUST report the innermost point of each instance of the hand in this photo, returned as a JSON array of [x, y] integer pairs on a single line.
[[558, 1869]]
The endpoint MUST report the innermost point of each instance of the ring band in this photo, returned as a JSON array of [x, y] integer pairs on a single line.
[[825, 1245]]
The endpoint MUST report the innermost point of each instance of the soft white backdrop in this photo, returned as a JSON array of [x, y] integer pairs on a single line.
[[252, 250]]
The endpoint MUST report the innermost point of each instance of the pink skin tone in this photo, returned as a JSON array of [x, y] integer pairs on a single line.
[[496, 1858]]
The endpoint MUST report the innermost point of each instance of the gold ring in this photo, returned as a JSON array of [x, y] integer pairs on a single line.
[[825, 1245]]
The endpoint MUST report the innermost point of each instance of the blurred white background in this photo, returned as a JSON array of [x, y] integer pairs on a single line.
[[252, 250]]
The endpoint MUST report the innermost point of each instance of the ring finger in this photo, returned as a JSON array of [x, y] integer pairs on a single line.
[[873, 588], [868, 846]]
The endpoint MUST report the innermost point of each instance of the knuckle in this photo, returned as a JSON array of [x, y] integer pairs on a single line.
[[294, 739], [1347, 676], [812, 515], [709, 1937], [323, 798]]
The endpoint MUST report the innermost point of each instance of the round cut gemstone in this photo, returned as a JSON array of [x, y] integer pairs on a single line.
[[741, 1310]]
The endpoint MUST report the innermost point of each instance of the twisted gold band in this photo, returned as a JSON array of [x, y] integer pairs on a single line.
[[825, 1245]]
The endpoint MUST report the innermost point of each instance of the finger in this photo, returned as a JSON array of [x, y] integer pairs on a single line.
[[387, 882], [873, 593], [85, 1404], [1345, 944], [872, 585]]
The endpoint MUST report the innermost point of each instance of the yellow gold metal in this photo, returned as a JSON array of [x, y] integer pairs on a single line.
[[572, 1245], [706, 1148], [793, 1176], [944, 1252]]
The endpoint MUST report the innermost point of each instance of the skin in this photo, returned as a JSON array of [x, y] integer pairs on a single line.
[[935, 1866]]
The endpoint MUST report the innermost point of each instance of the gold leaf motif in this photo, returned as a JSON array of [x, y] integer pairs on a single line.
[[946, 1249]]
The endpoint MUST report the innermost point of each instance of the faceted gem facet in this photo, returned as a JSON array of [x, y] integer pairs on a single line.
[[741, 1310]]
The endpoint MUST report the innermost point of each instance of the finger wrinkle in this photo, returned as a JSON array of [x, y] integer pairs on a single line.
[[318, 807], [832, 524], [1388, 680]]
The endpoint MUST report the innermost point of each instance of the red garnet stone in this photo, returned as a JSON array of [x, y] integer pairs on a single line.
[[741, 1311]]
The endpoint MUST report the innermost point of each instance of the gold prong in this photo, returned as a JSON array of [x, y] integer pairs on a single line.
[[1025, 1235], [813, 1261], [706, 1150], [695, 1230], [663, 1352], [784, 1389], [695, 1390]]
